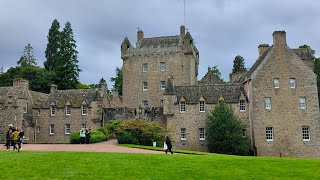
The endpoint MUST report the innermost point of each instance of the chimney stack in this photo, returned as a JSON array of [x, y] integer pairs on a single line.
[[262, 48], [279, 39], [53, 88], [182, 30], [140, 35]]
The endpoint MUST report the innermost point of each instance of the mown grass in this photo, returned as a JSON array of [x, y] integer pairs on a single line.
[[93, 165]]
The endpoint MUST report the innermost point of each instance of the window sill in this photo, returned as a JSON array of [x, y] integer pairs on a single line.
[[306, 140], [51, 134], [242, 110], [202, 139], [183, 139], [269, 140]]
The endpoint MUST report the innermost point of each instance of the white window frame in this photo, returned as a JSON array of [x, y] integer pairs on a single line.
[[84, 110], [202, 134], [145, 67], [145, 86], [67, 129], [267, 103], [51, 129], [25, 108], [276, 83], [38, 112], [183, 134], [68, 110], [145, 103], [292, 83], [53, 110], [305, 133], [302, 102], [269, 133], [162, 66], [201, 106], [182, 106], [242, 105], [162, 85]]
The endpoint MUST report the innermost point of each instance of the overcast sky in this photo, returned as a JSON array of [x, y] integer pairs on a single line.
[[221, 29]]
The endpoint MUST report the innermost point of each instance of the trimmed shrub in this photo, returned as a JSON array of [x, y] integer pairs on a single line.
[[140, 132], [97, 136], [112, 126], [105, 131], [74, 137]]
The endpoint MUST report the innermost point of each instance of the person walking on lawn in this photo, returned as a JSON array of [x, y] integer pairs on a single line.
[[169, 145], [15, 139]]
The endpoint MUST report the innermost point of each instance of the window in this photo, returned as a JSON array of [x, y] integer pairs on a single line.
[[182, 106], [25, 108], [162, 85], [242, 105], [267, 103], [161, 103], [183, 134], [145, 67], [53, 110], [276, 83], [162, 66], [201, 106], [201, 134], [292, 83], [38, 112], [83, 126], [68, 110], [145, 103], [145, 86], [306, 133], [51, 129], [67, 129], [269, 133], [302, 103], [84, 110]]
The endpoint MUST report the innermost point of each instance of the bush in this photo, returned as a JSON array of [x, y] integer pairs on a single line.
[[140, 132], [97, 136], [75, 137], [112, 128], [105, 131]]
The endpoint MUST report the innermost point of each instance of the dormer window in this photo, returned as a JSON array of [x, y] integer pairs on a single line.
[[276, 83], [182, 106], [84, 110], [52, 110], [68, 110], [201, 106], [242, 105]]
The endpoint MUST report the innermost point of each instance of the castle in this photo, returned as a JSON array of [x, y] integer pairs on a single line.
[[277, 99]]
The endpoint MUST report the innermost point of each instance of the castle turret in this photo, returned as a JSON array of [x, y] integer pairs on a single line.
[[182, 30], [169, 98], [188, 44], [125, 46], [140, 35]]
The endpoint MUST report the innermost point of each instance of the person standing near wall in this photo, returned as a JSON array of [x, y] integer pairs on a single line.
[[88, 135], [82, 136]]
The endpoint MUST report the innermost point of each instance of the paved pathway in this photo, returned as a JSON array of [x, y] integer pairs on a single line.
[[108, 146]]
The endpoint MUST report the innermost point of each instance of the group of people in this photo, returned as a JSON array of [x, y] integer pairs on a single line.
[[14, 137], [85, 135]]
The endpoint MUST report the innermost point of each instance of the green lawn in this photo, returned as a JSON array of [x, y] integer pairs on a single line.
[[83, 165]]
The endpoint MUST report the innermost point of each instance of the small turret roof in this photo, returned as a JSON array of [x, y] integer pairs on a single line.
[[126, 41], [188, 36]]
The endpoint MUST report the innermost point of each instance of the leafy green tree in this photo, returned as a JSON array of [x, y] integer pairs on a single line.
[[1, 70], [238, 64], [224, 132], [53, 46], [117, 81], [27, 58]]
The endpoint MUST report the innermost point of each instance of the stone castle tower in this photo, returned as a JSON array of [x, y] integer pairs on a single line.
[[147, 67]]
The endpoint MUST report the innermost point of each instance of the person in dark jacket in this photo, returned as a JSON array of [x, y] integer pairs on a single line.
[[8, 139], [169, 145], [21, 134], [88, 135]]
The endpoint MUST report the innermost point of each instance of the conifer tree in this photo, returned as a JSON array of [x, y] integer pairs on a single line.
[[224, 131], [117, 81], [27, 57], [53, 46], [238, 64]]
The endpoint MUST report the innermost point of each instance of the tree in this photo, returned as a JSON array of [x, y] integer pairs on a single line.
[[238, 64], [316, 67], [224, 132], [67, 68], [117, 81], [1, 70], [27, 57], [52, 50]]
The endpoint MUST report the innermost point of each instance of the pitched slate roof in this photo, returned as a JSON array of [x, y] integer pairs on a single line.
[[4, 91], [75, 96], [303, 53], [160, 41], [211, 93]]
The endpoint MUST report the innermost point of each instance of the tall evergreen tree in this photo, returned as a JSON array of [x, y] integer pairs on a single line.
[[117, 81], [224, 131], [67, 68], [238, 64], [27, 57], [53, 46]]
